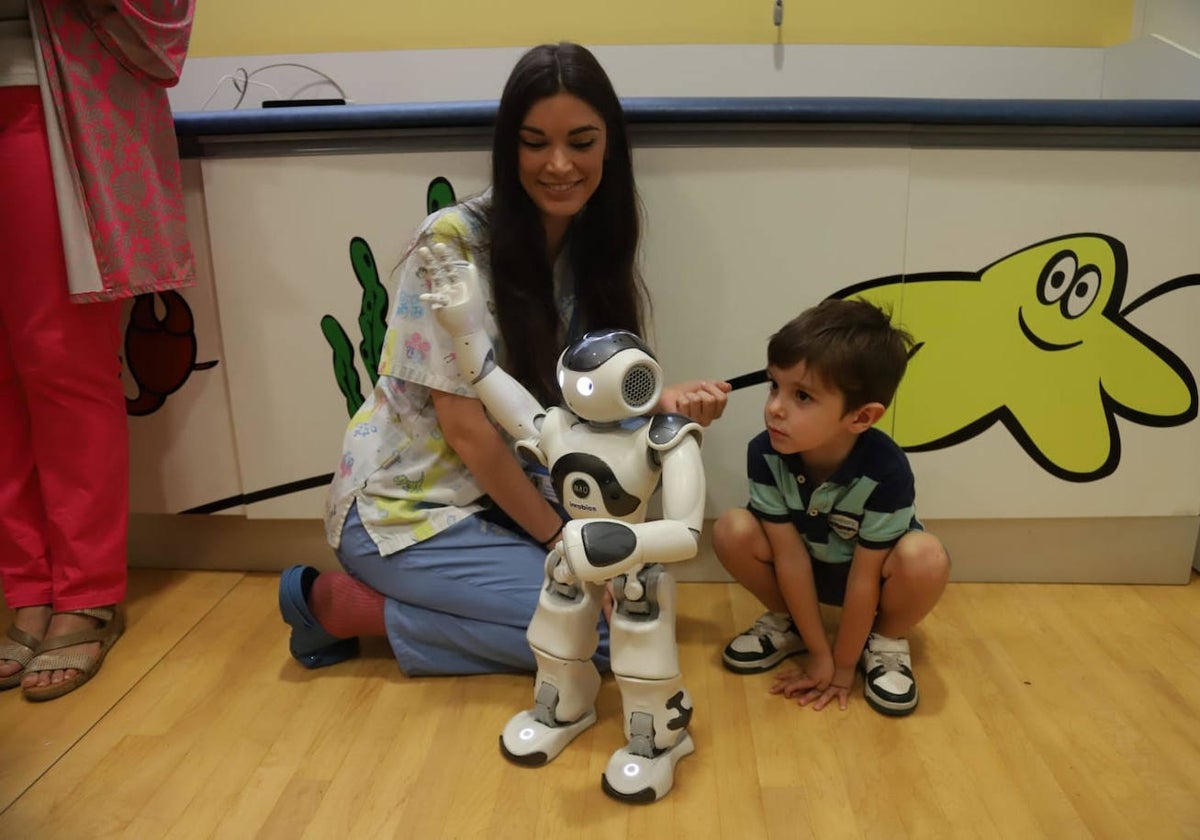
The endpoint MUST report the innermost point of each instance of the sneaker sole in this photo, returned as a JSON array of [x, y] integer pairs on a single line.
[[886, 707], [759, 666]]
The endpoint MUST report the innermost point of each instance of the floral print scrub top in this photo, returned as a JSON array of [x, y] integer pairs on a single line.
[[407, 481]]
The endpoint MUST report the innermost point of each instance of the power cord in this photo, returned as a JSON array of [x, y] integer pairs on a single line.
[[242, 79], [241, 85]]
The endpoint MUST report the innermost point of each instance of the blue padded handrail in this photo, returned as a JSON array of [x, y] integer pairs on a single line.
[[1097, 113]]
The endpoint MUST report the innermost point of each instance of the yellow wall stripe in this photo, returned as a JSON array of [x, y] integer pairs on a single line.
[[239, 27]]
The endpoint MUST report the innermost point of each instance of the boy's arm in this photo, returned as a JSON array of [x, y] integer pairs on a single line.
[[859, 607], [793, 570]]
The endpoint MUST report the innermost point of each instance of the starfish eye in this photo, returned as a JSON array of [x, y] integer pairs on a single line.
[[1083, 292], [1056, 277]]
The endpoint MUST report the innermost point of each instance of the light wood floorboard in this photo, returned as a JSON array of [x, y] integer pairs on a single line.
[[1047, 710]]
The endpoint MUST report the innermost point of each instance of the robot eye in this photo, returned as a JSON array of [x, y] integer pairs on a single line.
[[562, 377], [585, 386]]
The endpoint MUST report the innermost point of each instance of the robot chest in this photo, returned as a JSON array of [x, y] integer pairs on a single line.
[[595, 476]]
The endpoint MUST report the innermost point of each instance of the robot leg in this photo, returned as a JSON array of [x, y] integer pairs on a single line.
[[657, 707], [563, 638]]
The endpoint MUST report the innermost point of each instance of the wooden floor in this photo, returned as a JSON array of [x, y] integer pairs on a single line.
[[1051, 711]]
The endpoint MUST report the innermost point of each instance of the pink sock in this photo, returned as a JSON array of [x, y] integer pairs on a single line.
[[346, 607]]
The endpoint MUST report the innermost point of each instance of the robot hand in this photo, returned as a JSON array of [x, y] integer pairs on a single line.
[[454, 291], [602, 549]]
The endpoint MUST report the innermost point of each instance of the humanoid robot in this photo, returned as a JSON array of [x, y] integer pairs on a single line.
[[604, 467]]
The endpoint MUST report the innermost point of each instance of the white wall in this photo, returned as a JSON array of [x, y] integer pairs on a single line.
[[1162, 59], [714, 70], [738, 240], [1176, 20]]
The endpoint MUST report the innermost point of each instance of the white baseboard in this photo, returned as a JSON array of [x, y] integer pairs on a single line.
[[1114, 550]]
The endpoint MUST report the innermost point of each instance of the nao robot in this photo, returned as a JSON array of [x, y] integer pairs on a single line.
[[604, 471]]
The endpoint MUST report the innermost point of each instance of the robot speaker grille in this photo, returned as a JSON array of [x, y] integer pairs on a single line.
[[638, 387]]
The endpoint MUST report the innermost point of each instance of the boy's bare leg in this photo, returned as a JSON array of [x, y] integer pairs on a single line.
[[914, 578], [742, 548]]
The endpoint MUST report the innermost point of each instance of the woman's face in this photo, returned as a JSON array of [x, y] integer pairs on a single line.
[[561, 145]]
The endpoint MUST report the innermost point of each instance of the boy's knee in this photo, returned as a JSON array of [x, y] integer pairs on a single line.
[[921, 559], [734, 532]]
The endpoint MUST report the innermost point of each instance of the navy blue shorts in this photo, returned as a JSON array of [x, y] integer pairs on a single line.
[[830, 579]]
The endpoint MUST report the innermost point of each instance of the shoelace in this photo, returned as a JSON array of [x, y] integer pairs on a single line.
[[764, 626], [890, 660]]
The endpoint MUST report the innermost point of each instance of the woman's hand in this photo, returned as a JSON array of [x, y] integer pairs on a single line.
[[702, 400]]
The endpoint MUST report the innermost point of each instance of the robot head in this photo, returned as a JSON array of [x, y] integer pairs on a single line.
[[609, 375]]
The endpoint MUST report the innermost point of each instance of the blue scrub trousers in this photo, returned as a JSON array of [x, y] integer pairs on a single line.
[[461, 601]]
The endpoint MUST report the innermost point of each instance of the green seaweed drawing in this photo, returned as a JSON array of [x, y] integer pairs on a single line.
[[372, 314]]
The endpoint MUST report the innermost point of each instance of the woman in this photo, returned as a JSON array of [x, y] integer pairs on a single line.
[[91, 212], [441, 531]]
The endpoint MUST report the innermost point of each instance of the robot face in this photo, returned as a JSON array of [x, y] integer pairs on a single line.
[[609, 375]]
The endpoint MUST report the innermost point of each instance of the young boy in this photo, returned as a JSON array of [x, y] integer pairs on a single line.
[[831, 517]]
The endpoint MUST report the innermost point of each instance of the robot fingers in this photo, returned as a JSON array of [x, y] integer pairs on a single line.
[[453, 290], [435, 299]]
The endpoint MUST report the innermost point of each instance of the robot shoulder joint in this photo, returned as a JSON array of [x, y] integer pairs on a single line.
[[666, 431]]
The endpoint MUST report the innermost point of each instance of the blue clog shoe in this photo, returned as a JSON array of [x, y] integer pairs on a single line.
[[310, 644]]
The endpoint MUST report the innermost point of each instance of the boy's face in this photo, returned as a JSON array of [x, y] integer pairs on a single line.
[[804, 414]]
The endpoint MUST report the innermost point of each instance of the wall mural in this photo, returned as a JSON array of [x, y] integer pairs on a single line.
[[1039, 341], [160, 353], [372, 314], [372, 325]]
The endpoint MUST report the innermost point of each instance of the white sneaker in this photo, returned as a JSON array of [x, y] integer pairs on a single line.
[[887, 668], [772, 639]]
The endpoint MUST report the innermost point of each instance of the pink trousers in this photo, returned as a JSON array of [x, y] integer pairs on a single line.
[[64, 444]]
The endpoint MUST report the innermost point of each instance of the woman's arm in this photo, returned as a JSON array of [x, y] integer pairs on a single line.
[[493, 464]]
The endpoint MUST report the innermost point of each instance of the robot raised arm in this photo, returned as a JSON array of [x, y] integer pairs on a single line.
[[459, 307], [601, 549]]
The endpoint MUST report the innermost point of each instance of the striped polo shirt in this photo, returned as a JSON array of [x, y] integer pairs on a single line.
[[869, 500]]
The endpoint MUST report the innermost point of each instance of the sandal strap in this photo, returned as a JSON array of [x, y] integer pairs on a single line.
[[60, 662], [105, 634], [81, 637], [24, 649], [105, 614]]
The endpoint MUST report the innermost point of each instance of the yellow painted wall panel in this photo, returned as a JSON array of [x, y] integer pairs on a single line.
[[237, 27]]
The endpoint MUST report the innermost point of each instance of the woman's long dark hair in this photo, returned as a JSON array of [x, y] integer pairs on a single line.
[[602, 239]]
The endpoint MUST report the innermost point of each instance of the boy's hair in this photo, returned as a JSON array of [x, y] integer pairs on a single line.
[[851, 345]]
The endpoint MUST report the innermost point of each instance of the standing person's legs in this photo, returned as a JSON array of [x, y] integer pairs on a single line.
[[24, 565], [66, 359]]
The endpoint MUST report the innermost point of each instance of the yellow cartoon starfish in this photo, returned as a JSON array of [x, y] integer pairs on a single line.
[[1037, 341]]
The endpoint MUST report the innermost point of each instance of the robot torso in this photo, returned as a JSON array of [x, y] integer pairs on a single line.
[[600, 471]]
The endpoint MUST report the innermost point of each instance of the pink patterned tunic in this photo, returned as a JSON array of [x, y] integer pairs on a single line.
[[107, 66]]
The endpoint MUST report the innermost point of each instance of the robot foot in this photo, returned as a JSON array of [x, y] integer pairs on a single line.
[[640, 780], [529, 742]]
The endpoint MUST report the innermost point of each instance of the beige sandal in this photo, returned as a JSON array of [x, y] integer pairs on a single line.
[[20, 649], [86, 665]]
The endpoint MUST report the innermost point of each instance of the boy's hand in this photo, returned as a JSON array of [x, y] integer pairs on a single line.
[[819, 684]]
